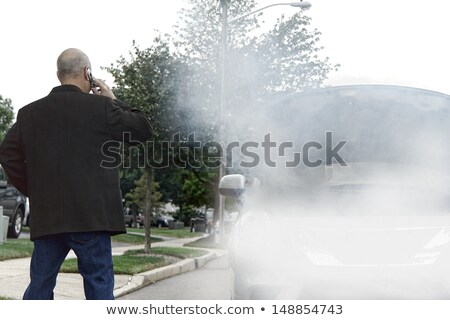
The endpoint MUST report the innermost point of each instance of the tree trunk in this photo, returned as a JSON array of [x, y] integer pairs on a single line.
[[148, 209]]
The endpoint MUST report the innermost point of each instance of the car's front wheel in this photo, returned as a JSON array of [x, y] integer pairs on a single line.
[[16, 224]]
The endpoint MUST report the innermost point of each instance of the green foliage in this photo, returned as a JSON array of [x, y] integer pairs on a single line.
[[257, 65], [128, 178], [137, 195], [170, 180], [185, 187], [197, 34], [180, 88], [156, 81], [186, 213], [196, 193], [6, 116], [290, 48], [151, 81], [287, 58]]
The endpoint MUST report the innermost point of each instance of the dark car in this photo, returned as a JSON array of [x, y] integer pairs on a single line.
[[137, 219], [14, 204], [202, 222], [162, 220], [373, 226]]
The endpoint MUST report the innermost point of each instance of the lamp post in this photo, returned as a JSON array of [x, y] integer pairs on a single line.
[[301, 4], [223, 41]]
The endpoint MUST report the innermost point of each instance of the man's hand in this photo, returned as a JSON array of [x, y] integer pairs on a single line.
[[102, 89]]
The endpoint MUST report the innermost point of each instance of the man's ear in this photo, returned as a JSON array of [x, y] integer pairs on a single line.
[[59, 76], [86, 73]]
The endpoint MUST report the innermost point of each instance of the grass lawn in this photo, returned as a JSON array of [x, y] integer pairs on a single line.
[[133, 239], [175, 233], [207, 242], [181, 253], [123, 265], [16, 248], [134, 261], [22, 248]]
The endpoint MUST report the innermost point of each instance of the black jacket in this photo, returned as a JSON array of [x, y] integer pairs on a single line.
[[53, 155]]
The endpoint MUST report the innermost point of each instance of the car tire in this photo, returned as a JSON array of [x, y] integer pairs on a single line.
[[240, 289], [16, 224]]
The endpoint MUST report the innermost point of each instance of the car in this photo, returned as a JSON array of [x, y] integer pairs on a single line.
[[162, 220], [26, 220], [203, 221], [13, 203], [373, 222], [129, 218]]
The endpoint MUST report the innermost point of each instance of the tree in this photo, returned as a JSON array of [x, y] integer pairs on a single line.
[[150, 81], [137, 196], [6, 116], [257, 65], [186, 188], [286, 58], [180, 89]]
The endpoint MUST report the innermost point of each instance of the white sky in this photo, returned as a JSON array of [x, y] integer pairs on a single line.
[[401, 42]]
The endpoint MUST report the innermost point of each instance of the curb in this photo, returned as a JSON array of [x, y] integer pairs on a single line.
[[144, 279]]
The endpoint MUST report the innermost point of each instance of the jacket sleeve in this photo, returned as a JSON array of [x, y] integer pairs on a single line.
[[12, 159], [127, 124]]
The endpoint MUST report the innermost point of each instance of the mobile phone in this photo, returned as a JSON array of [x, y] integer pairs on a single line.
[[91, 79]]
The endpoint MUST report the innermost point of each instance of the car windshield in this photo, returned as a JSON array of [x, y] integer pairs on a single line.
[[380, 124], [396, 151]]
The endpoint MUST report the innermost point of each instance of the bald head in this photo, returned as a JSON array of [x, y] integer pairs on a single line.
[[71, 63]]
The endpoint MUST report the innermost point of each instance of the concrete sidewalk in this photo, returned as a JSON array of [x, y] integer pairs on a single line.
[[14, 274]]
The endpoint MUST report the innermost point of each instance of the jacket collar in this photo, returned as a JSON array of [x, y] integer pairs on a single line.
[[65, 88]]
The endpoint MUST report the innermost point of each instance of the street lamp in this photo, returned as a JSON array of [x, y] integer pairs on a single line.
[[301, 4], [304, 5]]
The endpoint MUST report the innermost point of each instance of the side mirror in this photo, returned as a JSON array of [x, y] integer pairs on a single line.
[[3, 184], [232, 185]]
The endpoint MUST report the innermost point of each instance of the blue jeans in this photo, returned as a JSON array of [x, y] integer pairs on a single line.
[[95, 265]]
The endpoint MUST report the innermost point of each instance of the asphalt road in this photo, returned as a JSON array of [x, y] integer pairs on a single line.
[[212, 282]]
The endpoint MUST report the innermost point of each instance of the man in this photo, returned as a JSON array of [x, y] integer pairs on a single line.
[[53, 155]]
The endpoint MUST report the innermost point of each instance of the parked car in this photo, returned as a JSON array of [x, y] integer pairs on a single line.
[[129, 219], [203, 222], [162, 220], [376, 226], [13, 203], [26, 220]]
